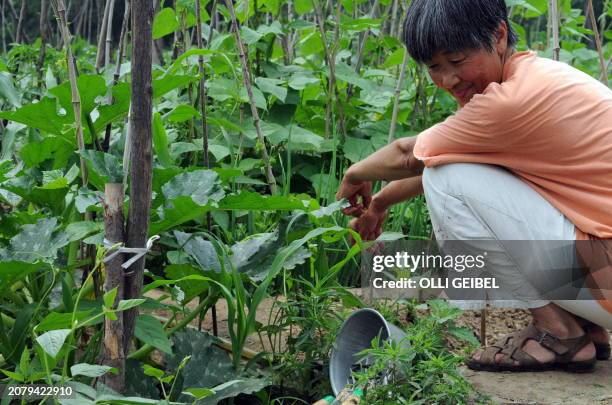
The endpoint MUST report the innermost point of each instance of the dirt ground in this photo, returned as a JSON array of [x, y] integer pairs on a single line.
[[543, 388]]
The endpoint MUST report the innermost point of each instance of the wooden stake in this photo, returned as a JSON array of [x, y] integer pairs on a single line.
[[112, 349], [141, 154]]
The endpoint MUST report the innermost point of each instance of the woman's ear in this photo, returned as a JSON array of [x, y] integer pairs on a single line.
[[501, 38]]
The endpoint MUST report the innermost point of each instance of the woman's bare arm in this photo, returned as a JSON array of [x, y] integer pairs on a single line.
[[393, 162], [396, 192]]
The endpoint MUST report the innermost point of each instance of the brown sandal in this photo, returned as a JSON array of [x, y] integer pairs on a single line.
[[564, 350], [602, 351]]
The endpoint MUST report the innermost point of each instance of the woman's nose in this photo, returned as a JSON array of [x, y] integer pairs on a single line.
[[450, 80]]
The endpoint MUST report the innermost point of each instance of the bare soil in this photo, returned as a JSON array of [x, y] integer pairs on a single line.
[[542, 388]]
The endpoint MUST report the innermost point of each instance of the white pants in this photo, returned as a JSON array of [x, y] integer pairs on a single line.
[[469, 201]]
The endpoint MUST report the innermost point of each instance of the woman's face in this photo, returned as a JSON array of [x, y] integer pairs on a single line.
[[469, 72]]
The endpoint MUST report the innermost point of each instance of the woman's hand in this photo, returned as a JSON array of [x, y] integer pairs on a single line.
[[358, 193], [369, 224]]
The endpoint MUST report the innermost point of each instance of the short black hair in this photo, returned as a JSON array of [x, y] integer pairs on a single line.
[[432, 26]]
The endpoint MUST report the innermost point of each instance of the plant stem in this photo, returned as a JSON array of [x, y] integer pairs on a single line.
[[602, 61], [247, 83]]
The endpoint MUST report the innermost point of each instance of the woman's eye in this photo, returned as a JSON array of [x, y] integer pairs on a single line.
[[457, 61]]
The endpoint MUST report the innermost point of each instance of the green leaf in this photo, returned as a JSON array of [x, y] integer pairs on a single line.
[[12, 271], [152, 371], [249, 36], [52, 341], [105, 165], [38, 241], [13, 375], [201, 185], [8, 91], [89, 370], [200, 250], [81, 229], [42, 115], [150, 331], [299, 81], [127, 304], [119, 108], [258, 97], [182, 113], [356, 149], [199, 393], [303, 6], [464, 334], [192, 288], [257, 202], [160, 142], [56, 320], [109, 297], [90, 87], [168, 83], [165, 23], [51, 147], [271, 86]]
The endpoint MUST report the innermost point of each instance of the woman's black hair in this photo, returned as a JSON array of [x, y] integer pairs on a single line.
[[432, 26]]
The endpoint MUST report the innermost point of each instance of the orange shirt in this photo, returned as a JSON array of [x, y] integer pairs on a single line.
[[548, 123]]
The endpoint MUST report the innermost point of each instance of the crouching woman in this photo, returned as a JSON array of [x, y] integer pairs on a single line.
[[527, 156]]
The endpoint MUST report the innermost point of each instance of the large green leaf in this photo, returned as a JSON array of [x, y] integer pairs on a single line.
[[37, 241], [150, 331], [200, 250], [90, 87], [166, 83], [165, 23], [57, 148], [42, 115], [107, 113], [106, 166], [201, 185], [25, 186], [272, 86], [191, 288], [52, 341], [257, 202]]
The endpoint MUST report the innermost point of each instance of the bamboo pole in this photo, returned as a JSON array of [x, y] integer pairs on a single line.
[[117, 75], [246, 76], [554, 18], [109, 34], [602, 61], [141, 154], [102, 36], [113, 353], [19, 29], [59, 10]]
